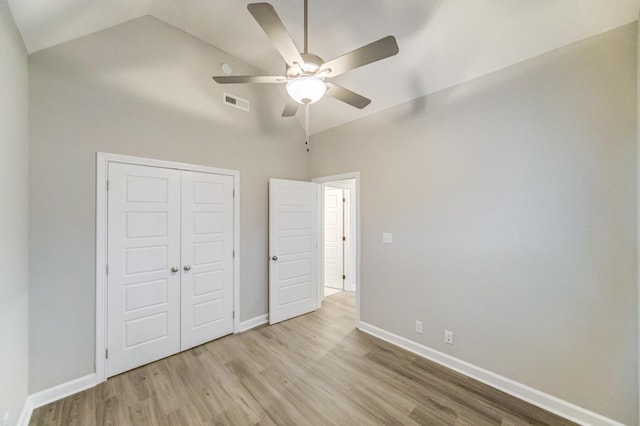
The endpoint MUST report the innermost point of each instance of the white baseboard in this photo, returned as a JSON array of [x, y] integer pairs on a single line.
[[25, 415], [533, 396], [55, 393], [253, 323]]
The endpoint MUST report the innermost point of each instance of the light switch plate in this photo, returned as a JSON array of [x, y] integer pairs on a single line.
[[387, 237]]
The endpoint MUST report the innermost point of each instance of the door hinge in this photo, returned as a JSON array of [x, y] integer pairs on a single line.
[[344, 238], [344, 200], [234, 254], [344, 277], [233, 314], [106, 353], [107, 185], [234, 193], [106, 269]]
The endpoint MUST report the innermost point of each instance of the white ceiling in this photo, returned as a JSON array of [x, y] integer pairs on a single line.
[[442, 42]]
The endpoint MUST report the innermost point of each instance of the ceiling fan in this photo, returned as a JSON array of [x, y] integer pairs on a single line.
[[307, 74]]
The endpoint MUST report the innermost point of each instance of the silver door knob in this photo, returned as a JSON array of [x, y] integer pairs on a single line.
[[274, 258], [174, 269], [187, 267]]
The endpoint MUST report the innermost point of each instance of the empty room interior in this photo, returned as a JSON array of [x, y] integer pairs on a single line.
[[319, 212]]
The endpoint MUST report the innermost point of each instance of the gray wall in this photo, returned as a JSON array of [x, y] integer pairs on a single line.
[[512, 203], [144, 89], [14, 161]]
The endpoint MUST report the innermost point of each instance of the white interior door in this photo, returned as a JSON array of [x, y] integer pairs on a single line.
[[334, 237], [207, 257], [292, 249], [143, 246]]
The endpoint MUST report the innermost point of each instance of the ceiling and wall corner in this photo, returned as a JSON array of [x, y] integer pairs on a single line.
[[442, 43]]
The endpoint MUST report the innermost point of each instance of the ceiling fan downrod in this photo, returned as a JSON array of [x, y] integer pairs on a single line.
[[306, 26]]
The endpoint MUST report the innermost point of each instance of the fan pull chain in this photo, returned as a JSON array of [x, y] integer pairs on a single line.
[[306, 126]]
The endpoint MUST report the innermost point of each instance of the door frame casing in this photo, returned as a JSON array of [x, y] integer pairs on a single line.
[[102, 173], [344, 254], [355, 213], [349, 230]]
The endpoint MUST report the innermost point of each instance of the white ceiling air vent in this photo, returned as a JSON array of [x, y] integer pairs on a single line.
[[234, 101]]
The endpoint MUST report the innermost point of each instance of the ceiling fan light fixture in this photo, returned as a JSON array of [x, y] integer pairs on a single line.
[[306, 89]]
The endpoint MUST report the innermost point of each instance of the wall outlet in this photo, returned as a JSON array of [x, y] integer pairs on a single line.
[[387, 237], [419, 327], [448, 337]]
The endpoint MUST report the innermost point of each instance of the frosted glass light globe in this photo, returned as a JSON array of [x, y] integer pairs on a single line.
[[306, 89]]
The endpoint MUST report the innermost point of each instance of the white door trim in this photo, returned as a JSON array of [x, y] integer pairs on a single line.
[[338, 230], [356, 214], [350, 263], [102, 167]]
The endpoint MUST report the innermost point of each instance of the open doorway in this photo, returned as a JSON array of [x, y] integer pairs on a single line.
[[338, 240]]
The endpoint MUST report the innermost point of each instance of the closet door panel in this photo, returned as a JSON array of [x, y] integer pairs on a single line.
[[143, 245], [207, 257]]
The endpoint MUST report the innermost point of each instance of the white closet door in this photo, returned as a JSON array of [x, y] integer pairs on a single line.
[[207, 257], [143, 245], [333, 238], [292, 246]]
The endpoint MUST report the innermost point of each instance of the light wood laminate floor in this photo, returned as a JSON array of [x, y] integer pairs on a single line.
[[312, 370]]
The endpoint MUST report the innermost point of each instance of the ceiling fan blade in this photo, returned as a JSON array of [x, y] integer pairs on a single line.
[[346, 95], [372, 52], [291, 108], [270, 22], [234, 79]]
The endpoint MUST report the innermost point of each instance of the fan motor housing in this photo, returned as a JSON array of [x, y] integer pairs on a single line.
[[311, 65]]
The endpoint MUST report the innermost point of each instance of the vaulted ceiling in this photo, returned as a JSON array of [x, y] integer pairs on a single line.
[[442, 42]]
